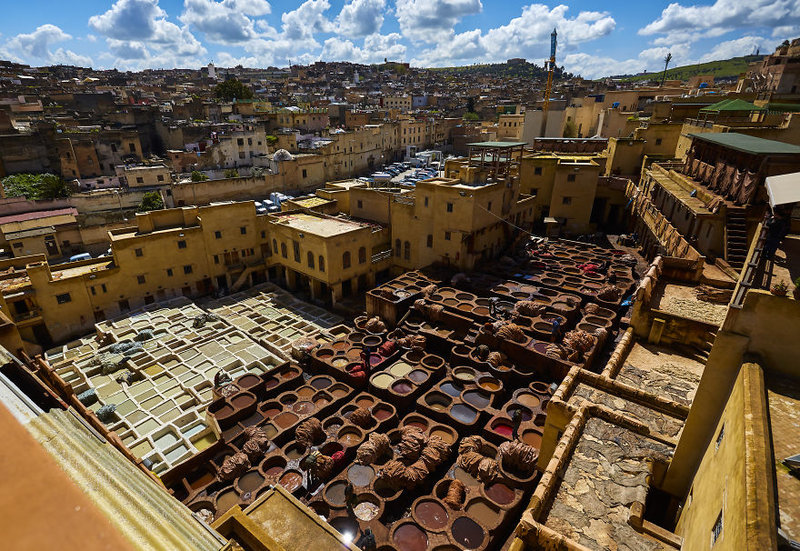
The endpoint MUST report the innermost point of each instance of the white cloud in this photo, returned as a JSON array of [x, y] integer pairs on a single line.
[[360, 18], [305, 21], [37, 45], [226, 22], [721, 17], [433, 21], [745, 45], [376, 47]]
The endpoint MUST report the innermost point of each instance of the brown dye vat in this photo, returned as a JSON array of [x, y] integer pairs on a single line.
[[270, 429], [450, 302], [438, 401], [364, 402], [360, 475], [324, 353], [248, 381], [291, 480], [367, 508], [431, 514], [226, 500], [532, 438], [339, 345], [465, 296], [337, 391], [463, 414], [467, 532], [305, 391], [432, 361], [384, 490], [420, 423], [540, 388], [331, 448], [465, 477], [288, 373], [372, 341], [293, 452], [303, 408], [334, 494], [528, 399], [223, 412], [418, 376], [285, 419], [499, 493], [349, 437], [465, 306], [436, 297], [250, 482], [484, 512], [381, 413], [205, 479], [445, 434], [273, 471], [414, 356], [321, 382], [356, 337], [410, 537], [480, 311], [271, 383], [490, 384]]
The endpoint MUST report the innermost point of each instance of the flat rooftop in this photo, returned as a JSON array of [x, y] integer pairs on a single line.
[[682, 301], [662, 371], [316, 225], [783, 398]]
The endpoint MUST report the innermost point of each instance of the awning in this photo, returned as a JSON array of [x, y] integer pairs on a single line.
[[783, 189], [550, 220]]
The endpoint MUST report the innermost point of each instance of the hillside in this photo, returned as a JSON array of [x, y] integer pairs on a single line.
[[516, 69], [726, 68]]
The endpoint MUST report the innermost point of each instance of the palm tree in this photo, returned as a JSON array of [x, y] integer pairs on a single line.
[[667, 59]]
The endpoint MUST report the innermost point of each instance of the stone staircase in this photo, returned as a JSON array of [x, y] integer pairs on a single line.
[[736, 236]]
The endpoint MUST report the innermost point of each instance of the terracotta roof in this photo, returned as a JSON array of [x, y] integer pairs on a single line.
[[38, 214]]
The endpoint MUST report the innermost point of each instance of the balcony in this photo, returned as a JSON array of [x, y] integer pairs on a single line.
[[28, 318]]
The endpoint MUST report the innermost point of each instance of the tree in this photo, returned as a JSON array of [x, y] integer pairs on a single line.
[[667, 59], [272, 140], [36, 186], [198, 176], [231, 173], [232, 89], [151, 201], [569, 130], [471, 116], [470, 105]]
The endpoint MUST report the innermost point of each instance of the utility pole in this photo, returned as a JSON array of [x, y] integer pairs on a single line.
[[667, 59], [549, 88]]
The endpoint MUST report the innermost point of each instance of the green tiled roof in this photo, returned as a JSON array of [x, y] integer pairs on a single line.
[[732, 105], [748, 144]]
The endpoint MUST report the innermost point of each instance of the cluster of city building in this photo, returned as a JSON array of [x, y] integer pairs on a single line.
[[576, 331]]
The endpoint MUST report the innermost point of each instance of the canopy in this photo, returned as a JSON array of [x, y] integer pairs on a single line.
[[783, 189]]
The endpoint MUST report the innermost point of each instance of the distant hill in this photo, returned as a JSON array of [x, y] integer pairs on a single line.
[[515, 69], [725, 68]]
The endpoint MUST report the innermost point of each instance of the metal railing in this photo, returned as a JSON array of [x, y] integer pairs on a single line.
[[383, 255]]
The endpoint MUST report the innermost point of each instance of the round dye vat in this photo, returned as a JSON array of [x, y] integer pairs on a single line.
[[418, 376], [248, 381], [372, 341], [532, 438], [402, 387], [366, 510], [490, 385], [431, 515], [360, 475], [340, 363], [504, 428], [375, 359], [303, 408], [381, 413], [476, 398], [499, 493], [480, 311], [335, 493], [291, 480], [467, 532], [305, 391], [285, 419], [364, 402], [339, 345], [451, 388], [484, 512], [400, 369], [289, 373], [321, 382], [338, 391], [526, 413], [410, 537], [382, 380], [540, 388], [383, 489], [273, 471], [463, 414], [293, 452], [223, 412], [322, 401], [438, 401], [444, 434], [226, 500], [271, 383], [349, 438], [270, 429], [450, 302], [465, 477], [420, 424], [250, 481], [528, 399], [464, 373]]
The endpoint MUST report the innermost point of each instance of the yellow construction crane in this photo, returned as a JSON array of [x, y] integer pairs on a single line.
[[551, 64]]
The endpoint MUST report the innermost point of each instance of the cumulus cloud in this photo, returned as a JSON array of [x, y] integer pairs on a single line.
[[433, 21], [360, 18], [37, 45], [376, 47], [723, 16], [226, 22], [745, 45]]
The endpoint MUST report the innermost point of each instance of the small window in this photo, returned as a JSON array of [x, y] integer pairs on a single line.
[[94, 291], [430, 241], [64, 298], [407, 251], [362, 255], [489, 208], [346, 260], [240, 141], [449, 207], [181, 244], [658, 141], [284, 254], [305, 173], [216, 259], [537, 171], [103, 287], [447, 236], [160, 177], [360, 204], [397, 245], [169, 272], [139, 180], [263, 234], [570, 177], [296, 251], [310, 257], [321, 263], [217, 234], [140, 279], [241, 155], [535, 191], [426, 201], [132, 147], [187, 269], [566, 201], [138, 252], [243, 230], [716, 531], [720, 436], [18, 245]]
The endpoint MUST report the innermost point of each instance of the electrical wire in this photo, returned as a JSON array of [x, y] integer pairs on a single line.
[[507, 222]]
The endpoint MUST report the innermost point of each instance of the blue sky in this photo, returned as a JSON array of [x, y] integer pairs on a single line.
[[595, 39]]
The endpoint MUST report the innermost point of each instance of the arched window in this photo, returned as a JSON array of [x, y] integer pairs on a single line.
[[321, 263], [407, 251], [430, 241], [310, 260], [283, 250], [397, 248], [362, 255], [275, 246], [346, 260]]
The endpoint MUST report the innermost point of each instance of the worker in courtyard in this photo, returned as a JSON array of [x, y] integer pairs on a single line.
[[367, 541], [778, 227]]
